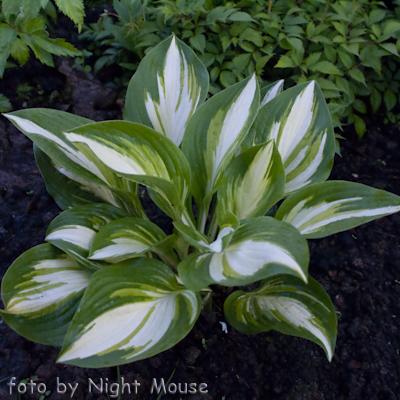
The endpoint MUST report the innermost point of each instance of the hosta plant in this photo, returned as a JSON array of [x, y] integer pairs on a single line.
[[243, 178]]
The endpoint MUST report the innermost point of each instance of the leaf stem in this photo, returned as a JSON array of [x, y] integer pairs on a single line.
[[324, 15], [212, 230], [119, 382]]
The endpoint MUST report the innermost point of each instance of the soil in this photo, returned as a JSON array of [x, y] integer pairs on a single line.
[[360, 269]]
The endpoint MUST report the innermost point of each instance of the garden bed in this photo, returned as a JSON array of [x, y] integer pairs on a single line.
[[360, 269]]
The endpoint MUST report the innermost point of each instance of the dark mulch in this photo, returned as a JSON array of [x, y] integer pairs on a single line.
[[360, 269]]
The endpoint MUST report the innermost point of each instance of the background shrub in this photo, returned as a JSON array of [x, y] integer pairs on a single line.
[[349, 47]]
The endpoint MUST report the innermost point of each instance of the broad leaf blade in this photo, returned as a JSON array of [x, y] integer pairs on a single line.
[[252, 183], [138, 153], [125, 238], [130, 311], [73, 231], [260, 248], [215, 131], [170, 83], [41, 291], [329, 207], [269, 92], [288, 305], [299, 122], [67, 189], [46, 127]]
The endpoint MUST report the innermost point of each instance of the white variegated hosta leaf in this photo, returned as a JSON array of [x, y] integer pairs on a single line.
[[213, 135], [329, 207], [41, 291], [260, 248], [74, 231], [288, 305], [269, 92], [168, 86], [299, 122], [127, 238], [46, 127], [138, 153], [252, 183], [201, 242], [130, 311], [193, 236], [67, 189]]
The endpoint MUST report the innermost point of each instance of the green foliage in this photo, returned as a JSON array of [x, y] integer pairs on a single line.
[[111, 287], [349, 47], [23, 28]]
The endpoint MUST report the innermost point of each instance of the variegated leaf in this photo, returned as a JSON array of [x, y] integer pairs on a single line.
[[201, 242], [168, 86], [260, 248], [163, 204], [214, 133], [252, 183], [269, 92], [41, 291], [299, 122], [193, 236], [288, 305], [67, 189], [137, 153], [45, 128], [329, 207], [130, 311], [73, 231], [127, 238]]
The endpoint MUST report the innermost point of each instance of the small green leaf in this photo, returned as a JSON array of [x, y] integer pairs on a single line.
[[312, 59], [351, 48], [376, 16], [74, 9], [20, 52], [360, 106], [360, 126], [31, 8], [227, 78], [5, 104], [330, 53], [345, 59], [240, 62], [357, 75], [391, 27], [11, 7], [376, 100], [391, 48], [284, 62], [58, 46], [326, 67], [240, 16], [7, 37], [198, 42], [390, 99]]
